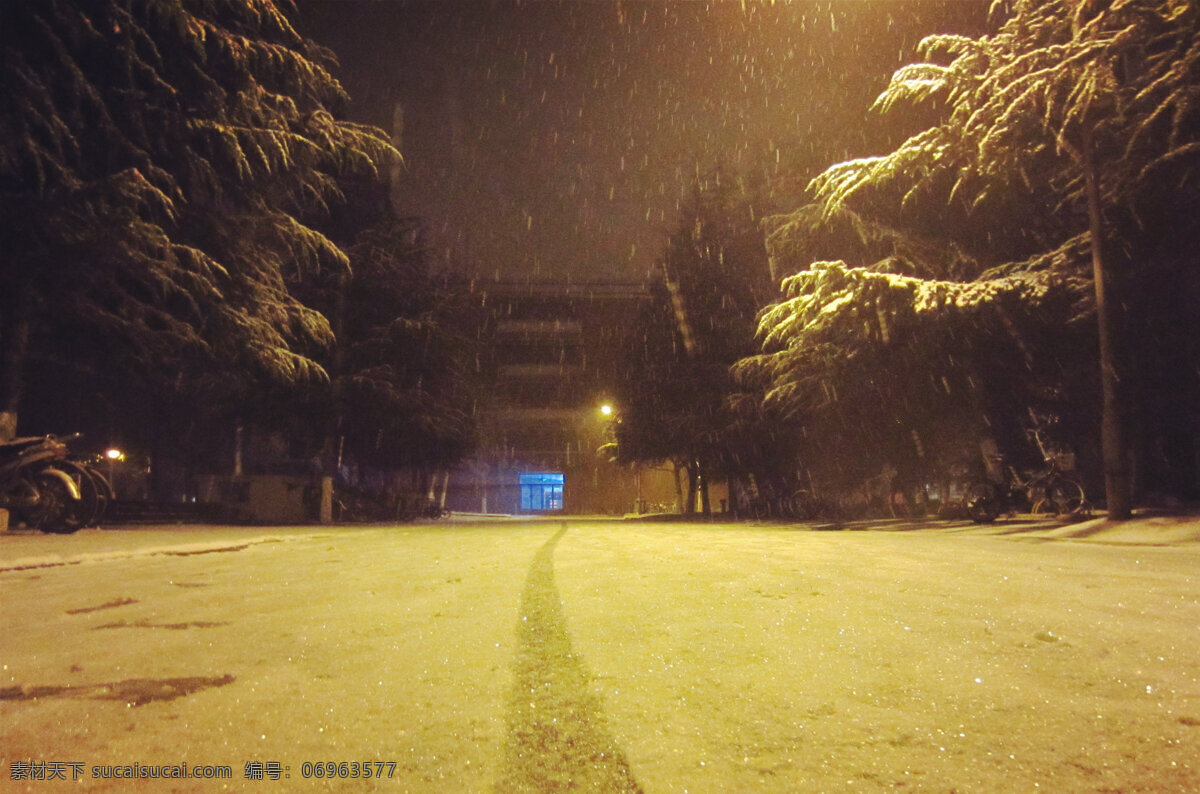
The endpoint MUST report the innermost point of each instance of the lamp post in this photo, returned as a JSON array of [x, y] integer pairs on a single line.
[[608, 433], [611, 443], [112, 454]]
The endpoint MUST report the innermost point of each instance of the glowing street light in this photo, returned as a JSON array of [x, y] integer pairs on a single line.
[[113, 454], [606, 409]]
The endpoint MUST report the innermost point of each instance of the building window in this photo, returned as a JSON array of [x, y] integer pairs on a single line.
[[541, 491]]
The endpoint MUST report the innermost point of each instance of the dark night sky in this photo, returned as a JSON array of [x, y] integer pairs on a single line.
[[556, 139]]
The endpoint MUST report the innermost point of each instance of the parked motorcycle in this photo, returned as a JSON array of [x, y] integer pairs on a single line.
[[45, 489]]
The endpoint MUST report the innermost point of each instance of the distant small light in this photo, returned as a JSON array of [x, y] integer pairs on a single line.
[[114, 454], [606, 409]]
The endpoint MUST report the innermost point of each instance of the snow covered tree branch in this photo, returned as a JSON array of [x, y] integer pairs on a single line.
[[1067, 153], [159, 166]]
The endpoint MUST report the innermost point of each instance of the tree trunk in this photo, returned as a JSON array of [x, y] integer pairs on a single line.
[[692, 478], [239, 442], [680, 502], [444, 489], [15, 320], [333, 451], [1113, 434]]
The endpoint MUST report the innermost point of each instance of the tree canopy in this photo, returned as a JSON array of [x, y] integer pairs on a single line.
[[967, 255], [160, 163], [711, 279], [401, 384]]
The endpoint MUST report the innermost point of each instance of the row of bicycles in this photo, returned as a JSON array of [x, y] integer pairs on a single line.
[[800, 505], [1046, 492], [982, 501], [359, 505], [45, 487], [1052, 490]]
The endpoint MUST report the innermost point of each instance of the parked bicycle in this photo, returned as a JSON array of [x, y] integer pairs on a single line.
[[804, 505], [1050, 490], [360, 505], [46, 489]]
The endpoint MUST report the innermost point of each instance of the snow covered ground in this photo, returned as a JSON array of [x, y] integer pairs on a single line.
[[607, 656]]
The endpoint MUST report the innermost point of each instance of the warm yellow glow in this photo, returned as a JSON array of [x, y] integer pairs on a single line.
[[114, 454], [606, 409]]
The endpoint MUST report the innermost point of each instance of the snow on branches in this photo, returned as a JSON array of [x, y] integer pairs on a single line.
[[174, 154], [1072, 132], [857, 306]]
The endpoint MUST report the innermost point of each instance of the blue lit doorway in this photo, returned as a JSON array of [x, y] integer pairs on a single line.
[[541, 491]]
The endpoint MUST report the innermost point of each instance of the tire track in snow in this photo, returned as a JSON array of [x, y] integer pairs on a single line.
[[557, 739]]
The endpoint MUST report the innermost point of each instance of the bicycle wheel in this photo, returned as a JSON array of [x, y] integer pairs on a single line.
[[104, 492], [1064, 497], [57, 510], [800, 506], [982, 502], [93, 499]]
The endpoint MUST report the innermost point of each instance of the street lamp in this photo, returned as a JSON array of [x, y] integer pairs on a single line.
[[606, 427], [113, 454], [611, 446]]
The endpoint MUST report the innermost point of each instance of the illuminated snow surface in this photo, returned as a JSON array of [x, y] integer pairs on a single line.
[[612, 656]]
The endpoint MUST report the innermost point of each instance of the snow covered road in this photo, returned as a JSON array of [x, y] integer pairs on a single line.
[[602, 656]]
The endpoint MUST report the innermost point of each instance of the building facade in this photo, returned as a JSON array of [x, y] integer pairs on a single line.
[[549, 357]]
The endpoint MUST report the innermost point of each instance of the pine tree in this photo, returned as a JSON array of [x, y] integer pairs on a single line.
[[158, 164], [1059, 131], [404, 395], [711, 280], [1105, 93]]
